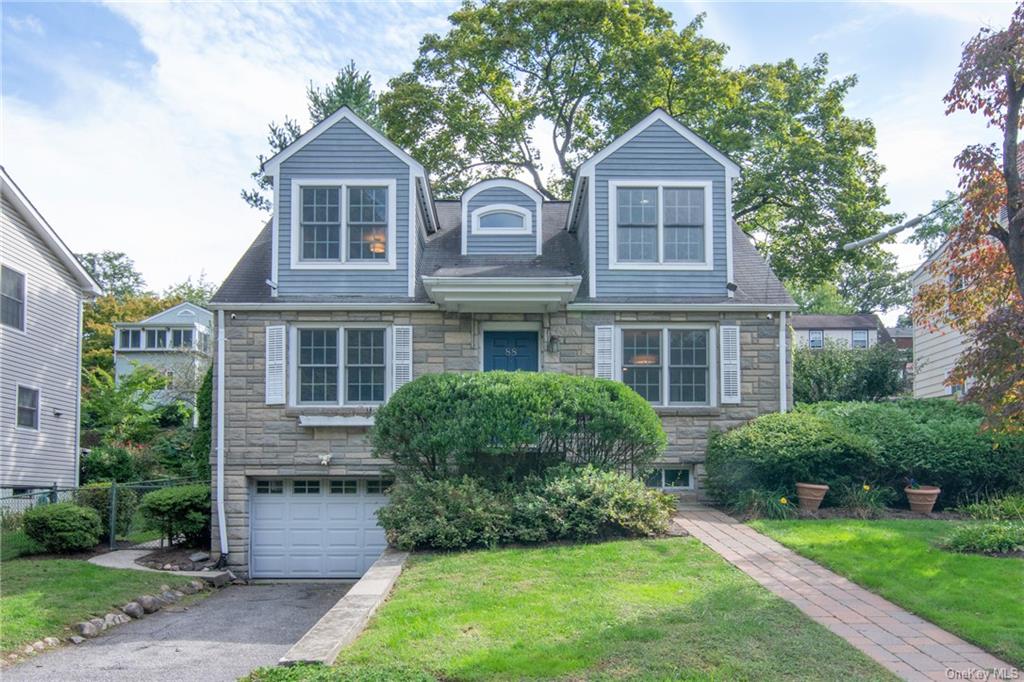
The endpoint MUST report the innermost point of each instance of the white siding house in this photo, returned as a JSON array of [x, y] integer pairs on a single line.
[[852, 331], [935, 350], [43, 286]]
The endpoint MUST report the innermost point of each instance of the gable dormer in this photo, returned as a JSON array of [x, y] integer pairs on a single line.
[[654, 209], [501, 216]]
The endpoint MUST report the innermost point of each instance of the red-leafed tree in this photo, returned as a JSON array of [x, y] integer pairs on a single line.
[[978, 286]]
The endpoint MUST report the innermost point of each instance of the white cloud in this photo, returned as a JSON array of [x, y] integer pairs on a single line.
[[26, 24]]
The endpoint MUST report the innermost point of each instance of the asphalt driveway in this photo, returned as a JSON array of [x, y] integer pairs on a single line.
[[222, 637]]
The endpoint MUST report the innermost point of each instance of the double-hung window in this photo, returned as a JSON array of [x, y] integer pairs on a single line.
[[12, 298], [28, 408], [815, 338], [130, 338], [181, 338], [665, 225], [156, 338], [669, 366], [343, 223], [860, 338], [341, 366]]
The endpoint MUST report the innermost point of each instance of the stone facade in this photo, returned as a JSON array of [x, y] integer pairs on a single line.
[[266, 440]]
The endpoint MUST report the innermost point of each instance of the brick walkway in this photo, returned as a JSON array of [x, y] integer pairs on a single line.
[[907, 645]]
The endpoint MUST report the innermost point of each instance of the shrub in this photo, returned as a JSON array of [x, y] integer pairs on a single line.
[[174, 451], [180, 512], [836, 372], [121, 462], [1006, 508], [203, 433], [776, 451], [569, 504], [865, 501], [97, 496], [992, 537], [505, 426], [63, 528], [761, 504]]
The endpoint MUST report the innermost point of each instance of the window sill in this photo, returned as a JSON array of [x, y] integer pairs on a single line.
[[685, 411], [314, 416]]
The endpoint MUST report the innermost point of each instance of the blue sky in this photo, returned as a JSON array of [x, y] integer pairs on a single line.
[[133, 126]]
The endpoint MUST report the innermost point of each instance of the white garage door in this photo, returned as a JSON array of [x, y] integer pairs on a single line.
[[316, 527]]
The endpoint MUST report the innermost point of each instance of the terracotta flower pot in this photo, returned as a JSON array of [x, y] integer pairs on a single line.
[[922, 499], [810, 495]]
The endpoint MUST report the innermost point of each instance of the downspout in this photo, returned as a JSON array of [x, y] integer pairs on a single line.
[[783, 358], [221, 521], [78, 394]]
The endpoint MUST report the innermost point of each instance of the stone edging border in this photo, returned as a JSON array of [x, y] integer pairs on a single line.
[[340, 626]]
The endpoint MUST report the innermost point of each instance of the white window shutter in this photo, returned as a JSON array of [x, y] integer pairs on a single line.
[[401, 356], [604, 352], [275, 365], [729, 344]]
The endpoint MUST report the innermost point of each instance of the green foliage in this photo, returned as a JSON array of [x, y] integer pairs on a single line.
[[115, 272], [181, 513], [945, 216], [999, 508], [99, 316], [503, 426], [865, 501], [776, 451], [120, 410], [581, 504], [765, 504], [359, 672], [203, 434], [97, 496], [121, 462], [63, 528], [875, 284], [990, 537], [837, 372], [819, 298], [199, 292], [174, 451]]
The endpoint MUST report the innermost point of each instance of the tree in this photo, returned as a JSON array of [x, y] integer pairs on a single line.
[[978, 284], [874, 286], [99, 316], [114, 271], [351, 87], [822, 298], [199, 292], [935, 227], [476, 98], [121, 411], [836, 372]]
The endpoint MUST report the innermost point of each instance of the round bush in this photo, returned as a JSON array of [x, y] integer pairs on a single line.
[[776, 451], [182, 513], [63, 528], [504, 426], [97, 496]]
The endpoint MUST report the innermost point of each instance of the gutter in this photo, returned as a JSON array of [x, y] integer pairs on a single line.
[[669, 307], [358, 305], [221, 520]]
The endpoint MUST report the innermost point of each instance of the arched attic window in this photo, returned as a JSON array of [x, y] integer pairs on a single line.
[[501, 219]]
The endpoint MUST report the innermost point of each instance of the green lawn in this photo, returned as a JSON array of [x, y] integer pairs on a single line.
[[643, 609], [39, 598], [14, 543], [977, 597]]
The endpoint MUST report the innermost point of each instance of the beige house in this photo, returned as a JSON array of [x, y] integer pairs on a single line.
[[935, 350], [852, 331]]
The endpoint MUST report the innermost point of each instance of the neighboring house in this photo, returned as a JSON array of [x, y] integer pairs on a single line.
[[903, 337], [42, 287], [362, 282], [852, 331], [175, 342], [937, 349]]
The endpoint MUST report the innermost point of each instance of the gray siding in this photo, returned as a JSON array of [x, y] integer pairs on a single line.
[[343, 150], [659, 153], [514, 243], [583, 240], [45, 356]]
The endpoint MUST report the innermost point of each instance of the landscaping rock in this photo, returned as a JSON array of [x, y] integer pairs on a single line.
[[170, 597], [165, 588], [149, 603], [197, 585], [38, 646], [187, 589], [133, 609], [28, 650], [100, 624], [109, 621], [86, 629], [51, 641], [75, 639], [220, 579], [199, 556], [14, 657]]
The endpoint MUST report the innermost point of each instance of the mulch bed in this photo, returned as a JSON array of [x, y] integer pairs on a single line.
[[175, 559]]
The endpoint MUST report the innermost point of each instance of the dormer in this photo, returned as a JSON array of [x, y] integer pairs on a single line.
[[501, 216]]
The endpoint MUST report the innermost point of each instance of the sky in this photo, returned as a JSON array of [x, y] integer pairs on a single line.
[[133, 126]]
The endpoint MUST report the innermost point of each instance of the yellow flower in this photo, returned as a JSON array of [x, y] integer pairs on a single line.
[[783, 500], [866, 488]]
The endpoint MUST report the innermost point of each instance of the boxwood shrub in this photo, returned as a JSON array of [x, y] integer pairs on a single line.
[[63, 528], [500, 427], [181, 513]]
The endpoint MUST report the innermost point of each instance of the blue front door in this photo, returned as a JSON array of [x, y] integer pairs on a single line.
[[510, 351]]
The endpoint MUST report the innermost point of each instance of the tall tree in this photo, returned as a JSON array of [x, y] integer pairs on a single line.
[[821, 298], [199, 292], [978, 286], [945, 216], [876, 286], [350, 87], [114, 271]]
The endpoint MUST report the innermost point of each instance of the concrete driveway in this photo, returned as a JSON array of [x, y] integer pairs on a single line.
[[222, 637]]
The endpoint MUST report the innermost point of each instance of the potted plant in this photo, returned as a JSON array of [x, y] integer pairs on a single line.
[[921, 497], [810, 495]]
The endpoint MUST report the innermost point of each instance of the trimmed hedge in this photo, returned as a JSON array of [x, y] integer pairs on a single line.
[[97, 496], [500, 427], [180, 512], [935, 442], [63, 528], [581, 504]]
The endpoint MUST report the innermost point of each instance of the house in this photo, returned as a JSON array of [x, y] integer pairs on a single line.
[[42, 288], [903, 337], [936, 348], [852, 331], [175, 342], [363, 281]]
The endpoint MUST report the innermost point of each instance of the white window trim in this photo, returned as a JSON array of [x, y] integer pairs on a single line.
[[23, 329], [39, 408], [293, 363], [526, 229], [853, 339], [713, 363], [810, 337], [343, 263], [661, 185], [660, 468]]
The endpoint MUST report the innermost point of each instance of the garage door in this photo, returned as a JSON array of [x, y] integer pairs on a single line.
[[316, 527]]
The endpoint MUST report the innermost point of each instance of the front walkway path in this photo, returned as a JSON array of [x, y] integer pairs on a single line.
[[907, 645]]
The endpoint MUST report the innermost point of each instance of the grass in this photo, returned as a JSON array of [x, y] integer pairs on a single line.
[[15, 543], [979, 598], [39, 598], [638, 610]]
